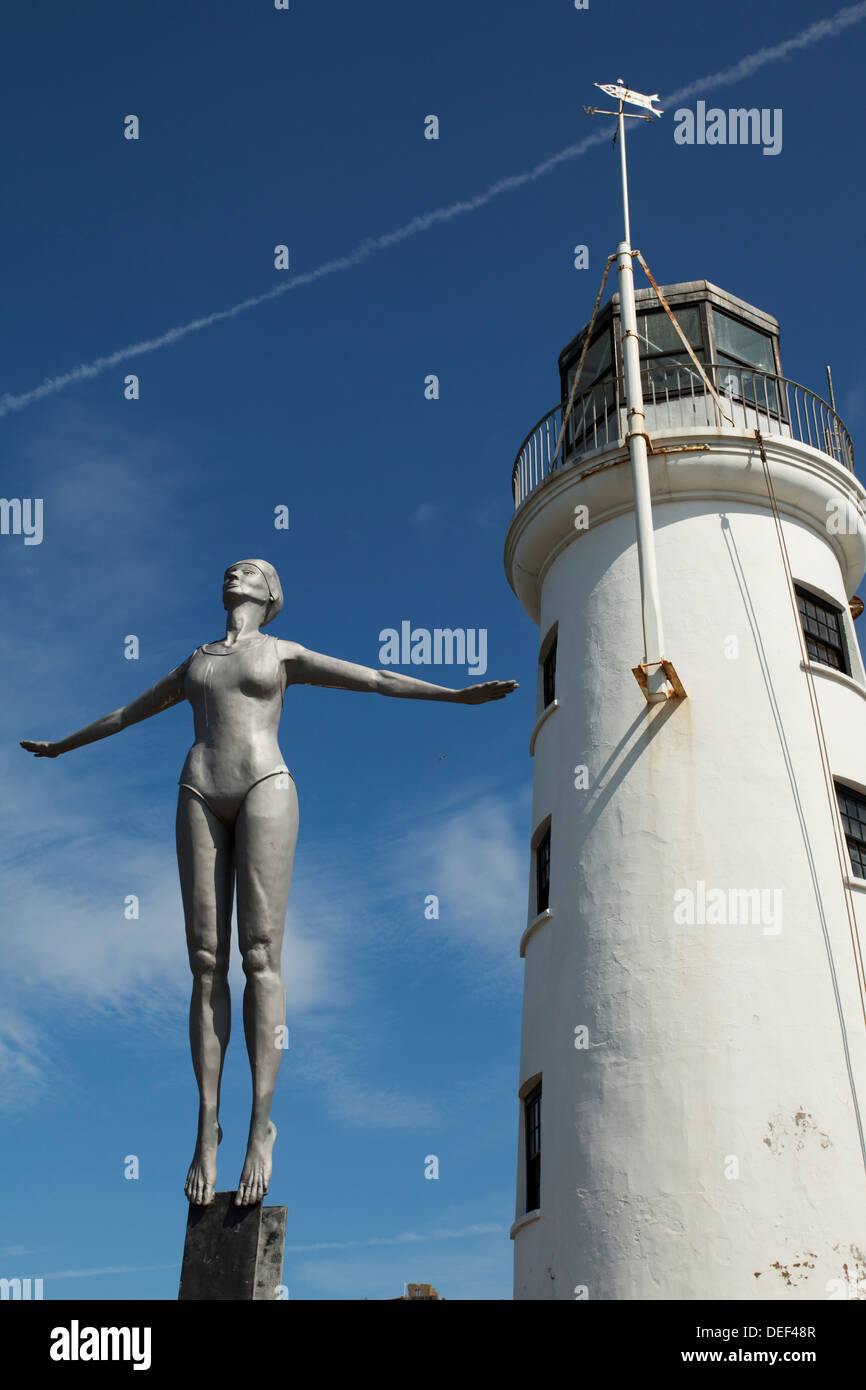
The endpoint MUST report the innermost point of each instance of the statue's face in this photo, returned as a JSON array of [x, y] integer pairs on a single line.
[[244, 582]]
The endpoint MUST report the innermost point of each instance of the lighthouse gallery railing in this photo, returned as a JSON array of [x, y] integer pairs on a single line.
[[677, 398]]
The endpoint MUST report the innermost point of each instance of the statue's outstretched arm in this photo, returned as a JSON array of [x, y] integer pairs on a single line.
[[304, 667], [167, 692]]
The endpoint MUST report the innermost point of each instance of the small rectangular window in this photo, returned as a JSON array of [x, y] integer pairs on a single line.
[[739, 348], [852, 809], [736, 342], [822, 628], [532, 1113], [594, 419], [596, 364], [542, 873], [666, 368], [656, 334], [550, 674]]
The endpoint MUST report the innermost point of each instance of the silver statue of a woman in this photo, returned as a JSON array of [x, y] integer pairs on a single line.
[[237, 817]]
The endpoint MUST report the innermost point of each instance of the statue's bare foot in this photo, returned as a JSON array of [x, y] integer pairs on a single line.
[[201, 1178], [257, 1169]]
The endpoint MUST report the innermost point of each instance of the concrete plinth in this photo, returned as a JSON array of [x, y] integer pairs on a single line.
[[233, 1253]]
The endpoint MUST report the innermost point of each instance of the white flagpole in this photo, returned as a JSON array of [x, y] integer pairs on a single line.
[[653, 636], [655, 688], [624, 174]]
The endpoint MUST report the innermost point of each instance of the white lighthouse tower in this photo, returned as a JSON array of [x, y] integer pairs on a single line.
[[693, 1057]]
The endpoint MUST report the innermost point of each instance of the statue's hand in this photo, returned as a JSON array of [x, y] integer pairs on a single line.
[[489, 690], [40, 750]]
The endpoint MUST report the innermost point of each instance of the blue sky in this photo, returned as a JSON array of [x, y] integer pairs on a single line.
[[307, 128]]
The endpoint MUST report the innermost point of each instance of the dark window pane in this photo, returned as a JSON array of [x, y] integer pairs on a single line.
[[597, 363], [858, 859], [852, 808], [532, 1112], [542, 874], [594, 420], [656, 333], [822, 628], [736, 340], [550, 675], [662, 376]]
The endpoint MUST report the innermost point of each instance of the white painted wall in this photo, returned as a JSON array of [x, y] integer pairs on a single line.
[[711, 1046]]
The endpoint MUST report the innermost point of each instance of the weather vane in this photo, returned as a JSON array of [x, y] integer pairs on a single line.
[[623, 94]]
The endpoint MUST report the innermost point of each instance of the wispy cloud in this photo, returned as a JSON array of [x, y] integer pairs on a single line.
[[474, 859], [829, 28], [747, 66], [108, 1269], [425, 514], [489, 1228], [25, 1062], [471, 853], [471, 1268], [341, 1085]]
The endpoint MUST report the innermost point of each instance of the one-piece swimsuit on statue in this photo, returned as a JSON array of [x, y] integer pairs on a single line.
[[236, 695]]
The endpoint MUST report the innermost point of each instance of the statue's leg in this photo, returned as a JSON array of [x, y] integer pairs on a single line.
[[205, 860], [265, 833]]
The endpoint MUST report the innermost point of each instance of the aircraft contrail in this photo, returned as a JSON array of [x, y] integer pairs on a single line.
[[370, 246]]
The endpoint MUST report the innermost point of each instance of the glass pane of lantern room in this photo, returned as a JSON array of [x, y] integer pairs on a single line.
[[736, 340], [656, 333], [660, 374], [597, 363]]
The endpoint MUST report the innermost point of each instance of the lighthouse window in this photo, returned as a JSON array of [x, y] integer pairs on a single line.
[[739, 348], [532, 1112], [656, 333], [667, 366], [542, 873], [550, 675], [596, 400], [822, 628], [852, 809], [597, 362], [736, 342]]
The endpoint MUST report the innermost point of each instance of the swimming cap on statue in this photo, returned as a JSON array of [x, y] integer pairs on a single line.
[[274, 588]]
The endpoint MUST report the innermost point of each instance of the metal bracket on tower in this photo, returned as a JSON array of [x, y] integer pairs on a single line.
[[677, 690]]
